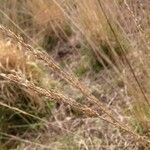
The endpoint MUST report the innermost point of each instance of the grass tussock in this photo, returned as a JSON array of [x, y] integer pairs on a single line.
[[13, 59]]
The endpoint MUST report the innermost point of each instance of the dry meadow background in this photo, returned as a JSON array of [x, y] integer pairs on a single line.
[[75, 74]]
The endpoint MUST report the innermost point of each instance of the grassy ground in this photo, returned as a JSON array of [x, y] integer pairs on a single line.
[[74, 74]]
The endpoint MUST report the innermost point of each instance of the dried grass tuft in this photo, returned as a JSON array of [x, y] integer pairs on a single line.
[[13, 59]]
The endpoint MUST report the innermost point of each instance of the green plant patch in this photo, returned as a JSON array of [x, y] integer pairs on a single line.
[[81, 70], [97, 67]]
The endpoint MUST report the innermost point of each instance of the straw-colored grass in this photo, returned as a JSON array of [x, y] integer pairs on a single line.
[[117, 36], [13, 59]]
